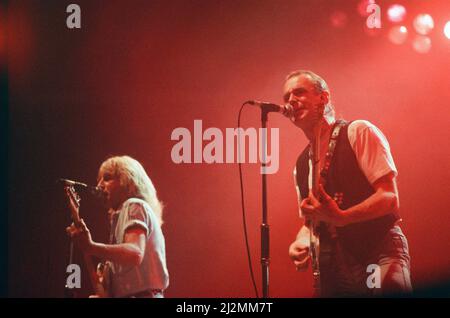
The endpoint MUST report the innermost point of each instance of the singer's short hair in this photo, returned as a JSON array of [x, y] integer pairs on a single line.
[[319, 83], [320, 86], [134, 180]]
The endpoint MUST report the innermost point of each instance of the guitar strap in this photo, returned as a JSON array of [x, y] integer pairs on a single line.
[[326, 167], [331, 147]]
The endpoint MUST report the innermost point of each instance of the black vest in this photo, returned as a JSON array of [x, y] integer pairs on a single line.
[[346, 177]]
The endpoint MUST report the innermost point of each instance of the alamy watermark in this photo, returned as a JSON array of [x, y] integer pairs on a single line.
[[228, 147], [73, 20], [374, 279], [74, 278], [374, 19]]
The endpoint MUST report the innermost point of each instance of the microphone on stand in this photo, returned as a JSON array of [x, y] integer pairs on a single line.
[[95, 191], [286, 110]]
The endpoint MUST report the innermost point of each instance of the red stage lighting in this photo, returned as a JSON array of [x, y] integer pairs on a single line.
[[447, 30], [396, 13], [422, 44], [398, 34], [423, 23], [338, 19]]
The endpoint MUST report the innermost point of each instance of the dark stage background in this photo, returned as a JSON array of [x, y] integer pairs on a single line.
[[137, 70]]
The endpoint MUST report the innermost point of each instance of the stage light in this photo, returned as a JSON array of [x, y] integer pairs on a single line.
[[338, 19], [423, 23], [398, 34], [422, 44], [396, 13], [447, 30]]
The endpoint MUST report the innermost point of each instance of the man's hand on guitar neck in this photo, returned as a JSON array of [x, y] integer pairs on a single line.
[[81, 236]]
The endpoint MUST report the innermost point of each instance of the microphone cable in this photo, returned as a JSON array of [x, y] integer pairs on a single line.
[[243, 203]]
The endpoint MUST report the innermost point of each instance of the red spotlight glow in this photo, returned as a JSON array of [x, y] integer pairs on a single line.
[[398, 34], [447, 30], [422, 44], [423, 24], [338, 19], [396, 13]]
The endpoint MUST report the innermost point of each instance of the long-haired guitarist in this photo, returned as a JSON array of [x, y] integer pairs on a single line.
[[351, 234], [136, 251]]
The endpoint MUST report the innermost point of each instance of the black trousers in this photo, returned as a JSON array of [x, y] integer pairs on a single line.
[[383, 272]]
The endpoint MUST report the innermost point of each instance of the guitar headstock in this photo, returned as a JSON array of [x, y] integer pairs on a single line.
[[74, 195], [74, 203]]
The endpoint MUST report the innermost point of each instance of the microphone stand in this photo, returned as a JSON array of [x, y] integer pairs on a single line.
[[265, 258]]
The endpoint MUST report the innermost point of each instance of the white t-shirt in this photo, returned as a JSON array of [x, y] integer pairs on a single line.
[[371, 149], [152, 272], [372, 152]]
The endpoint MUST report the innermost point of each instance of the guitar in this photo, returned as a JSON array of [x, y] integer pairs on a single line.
[[314, 242], [98, 277], [328, 232]]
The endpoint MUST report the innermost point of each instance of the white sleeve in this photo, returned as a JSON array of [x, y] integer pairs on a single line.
[[371, 149], [136, 215]]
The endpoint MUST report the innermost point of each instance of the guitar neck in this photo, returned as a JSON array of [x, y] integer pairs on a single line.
[[91, 269], [316, 160]]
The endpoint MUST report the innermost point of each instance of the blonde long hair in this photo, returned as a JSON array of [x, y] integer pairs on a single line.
[[133, 178]]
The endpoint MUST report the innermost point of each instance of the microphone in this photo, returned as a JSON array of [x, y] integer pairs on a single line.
[[286, 110], [96, 191]]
